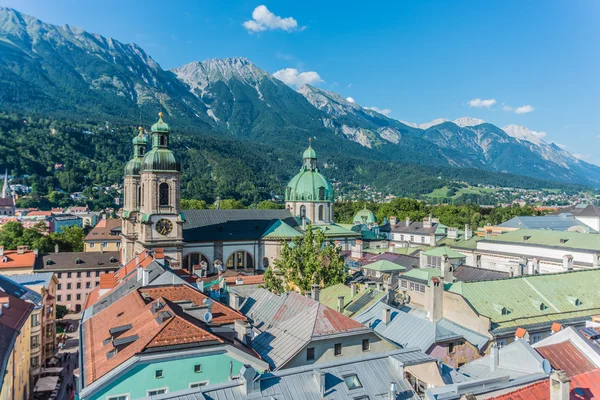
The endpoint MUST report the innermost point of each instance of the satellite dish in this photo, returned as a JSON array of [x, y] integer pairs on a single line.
[[207, 317], [546, 367]]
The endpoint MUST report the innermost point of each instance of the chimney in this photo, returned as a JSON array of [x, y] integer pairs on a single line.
[[560, 387], [340, 305], [568, 262], [435, 290], [393, 391], [319, 377], [556, 327], [235, 301], [36, 252], [427, 222], [534, 266], [447, 270], [422, 260], [391, 247], [380, 286], [145, 277], [468, 232], [488, 233], [357, 249], [494, 357], [386, 317], [407, 221], [137, 258], [393, 220], [101, 249], [452, 233], [353, 289], [250, 381], [522, 334], [242, 330], [315, 290], [432, 240], [1, 251], [595, 260]]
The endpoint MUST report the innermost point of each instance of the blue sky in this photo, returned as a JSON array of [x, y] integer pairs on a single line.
[[418, 59]]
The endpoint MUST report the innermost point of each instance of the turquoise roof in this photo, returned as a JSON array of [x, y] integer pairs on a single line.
[[334, 230], [443, 251], [423, 274], [160, 126], [365, 216], [309, 185], [279, 230], [132, 168], [160, 159], [384, 266], [140, 139], [548, 238]]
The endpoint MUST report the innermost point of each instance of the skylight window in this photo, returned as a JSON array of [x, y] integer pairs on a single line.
[[352, 382]]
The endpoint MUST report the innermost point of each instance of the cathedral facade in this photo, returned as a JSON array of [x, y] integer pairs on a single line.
[[248, 240]]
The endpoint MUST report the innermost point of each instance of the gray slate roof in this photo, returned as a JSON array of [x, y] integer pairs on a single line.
[[65, 261], [410, 327], [13, 288], [260, 308], [560, 222], [465, 273], [375, 373], [227, 225], [516, 360], [415, 227]]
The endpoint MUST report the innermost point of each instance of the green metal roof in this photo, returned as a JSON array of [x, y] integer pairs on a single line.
[[521, 297], [460, 242], [541, 237], [140, 139], [365, 216], [306, 186], [160, 159], [352, 305], [309, 153], [384, 266], [280, 230], [422, 274], [133, 166], [334, 230], [443, 251], [160, 126]]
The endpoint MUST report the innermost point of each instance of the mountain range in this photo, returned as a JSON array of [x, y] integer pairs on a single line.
[[68, 73]]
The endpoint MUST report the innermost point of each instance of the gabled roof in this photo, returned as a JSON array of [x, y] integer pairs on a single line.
[[103, 229], [352, 305], [561, 222], [415, 227], [549, 239], [103, 353], [410, 327], [279, 230], [564, 296], [16, 260], [421, 275], [297, 322], [579, 210], [227, 225], [443, 251], [582, 386], [80, 260], [567, 357], [13, 288]]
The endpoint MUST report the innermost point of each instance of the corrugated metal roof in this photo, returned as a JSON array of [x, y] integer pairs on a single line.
[[375, 374], [555, 223], [466, 273], [443, 251], [384, 266], [422, 275], [352, 305], [547, 238], [40, 278], [566, 356]]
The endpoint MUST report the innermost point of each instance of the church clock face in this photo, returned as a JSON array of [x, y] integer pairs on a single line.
[[164, 226]]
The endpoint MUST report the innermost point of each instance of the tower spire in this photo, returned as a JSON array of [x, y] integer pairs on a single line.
[[5, 188]]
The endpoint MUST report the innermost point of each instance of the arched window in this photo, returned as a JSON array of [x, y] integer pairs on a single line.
[[240, 259], [163, 140], [139, 196], [302, 211], [321, 213], [163, 194], [321, 193], [142, 151]]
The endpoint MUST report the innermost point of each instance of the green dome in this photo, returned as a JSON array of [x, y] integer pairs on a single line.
[[160, 126], [132, 168], [309, 153], [160, 159], [140, 139], [309, 186], [365, 216]]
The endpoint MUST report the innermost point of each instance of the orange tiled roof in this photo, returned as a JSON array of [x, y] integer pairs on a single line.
[[556, 327], [520, 333], [246, 280], [107, 281], [221, 313], [14, 260], [102, 230], [39, 214], [143, 260], [177, 328], [588, 383]]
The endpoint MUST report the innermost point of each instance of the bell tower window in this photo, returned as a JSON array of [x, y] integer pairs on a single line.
[[163, 194], [302, 211], [142, 151], [139, 196], [163, 140], [321, 213], [321, 193]]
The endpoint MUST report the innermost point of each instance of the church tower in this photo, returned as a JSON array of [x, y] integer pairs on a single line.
[[158, 223], [132, 197], [309, 194]]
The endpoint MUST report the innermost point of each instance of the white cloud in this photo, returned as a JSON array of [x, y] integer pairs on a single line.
[[507, 108], [263, 19], [524, 109], [350, 99], [284, 56], [582, 156], [478, 103], [293, 77], [385, 111]]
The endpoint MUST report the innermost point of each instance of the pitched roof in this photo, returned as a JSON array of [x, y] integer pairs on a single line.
[[566, 356], [353, 305], [64, 261], [579, 210], [227, 225], [296, 322], [16, 260], [410, 327], [533, 299], [443, 251], [582, 386], [10, 286], [384, 266], [102, 354], [104, 230], [422, 275], [279, 230], [561, 222], [245, 279], [335, 230], [182, 293], [549, 239], [466, 273], [415, 227], [38, 278]]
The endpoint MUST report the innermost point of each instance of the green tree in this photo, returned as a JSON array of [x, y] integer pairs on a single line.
[[269, 205], [193, 204], [61, 311], [307, 261], [230, 204], [70, 239]]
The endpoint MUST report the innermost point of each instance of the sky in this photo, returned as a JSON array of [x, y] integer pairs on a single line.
[[533, 63]]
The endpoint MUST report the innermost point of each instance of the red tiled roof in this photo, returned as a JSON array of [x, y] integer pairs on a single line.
[[39, 214], [246, 280], [143, 260], [221, 313], [556, 327], [587, 383], [107, 281], [566, 356], [14, 260], [102, 230], [131, 309], [18, 311]]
